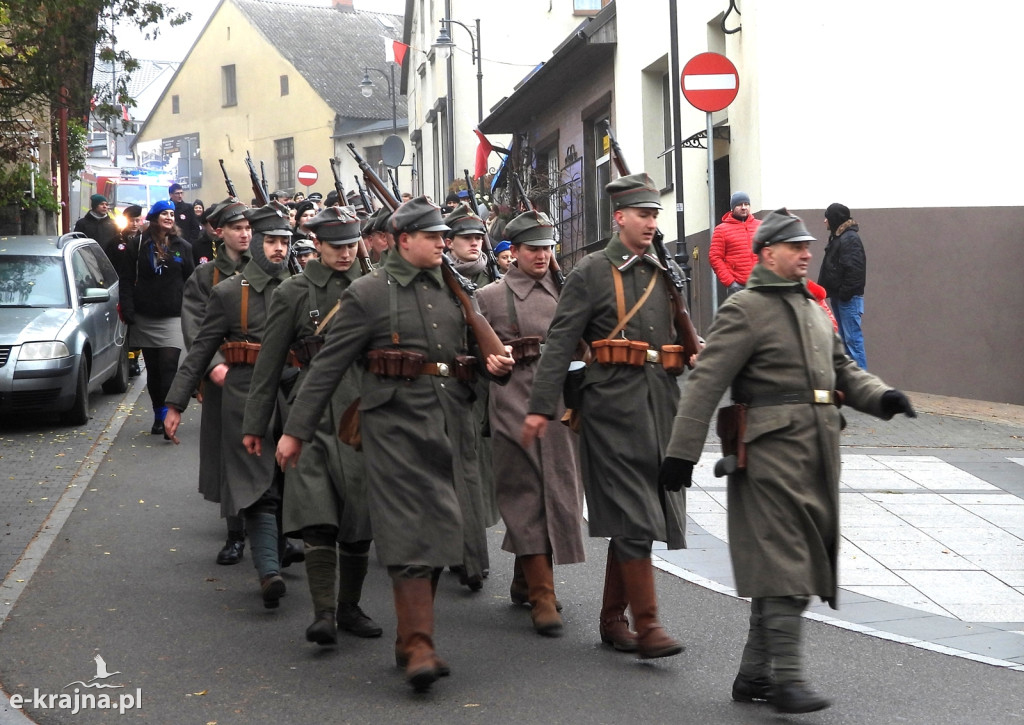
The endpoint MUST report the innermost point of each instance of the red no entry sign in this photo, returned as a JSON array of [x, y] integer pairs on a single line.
[[710, 82], [307, 175]]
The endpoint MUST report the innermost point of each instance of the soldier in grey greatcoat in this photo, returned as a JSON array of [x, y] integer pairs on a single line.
[[325, 496], [778, 350], [230, 226], [626, 412], [402, 322], [539, 491], [465, 248], [235, 319]]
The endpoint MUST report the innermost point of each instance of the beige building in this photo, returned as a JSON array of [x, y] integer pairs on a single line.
[[281, 82], [855, 104]]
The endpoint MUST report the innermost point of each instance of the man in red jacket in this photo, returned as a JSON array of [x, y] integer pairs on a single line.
[[730, 254]]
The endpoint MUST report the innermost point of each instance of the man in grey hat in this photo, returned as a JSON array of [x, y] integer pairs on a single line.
[[539, 492], [414, 418], [729, 254], [621, 293], [233, 235], [778, 351], [304, 251], [325, 496], [236, 316]]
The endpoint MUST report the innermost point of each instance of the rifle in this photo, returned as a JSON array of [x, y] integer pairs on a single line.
[[263, 179], [259, 191], [394, 183], [364, 256], [486, 338], [493, 270], [684, 325], [367, 202], [227, 180], [553, 262]]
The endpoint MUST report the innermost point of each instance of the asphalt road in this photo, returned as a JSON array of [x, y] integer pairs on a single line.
[[131, 576]]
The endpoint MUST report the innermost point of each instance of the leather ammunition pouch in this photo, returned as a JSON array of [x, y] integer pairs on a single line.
[[240, 353], [303, 350], [348, 427], [525, 350]]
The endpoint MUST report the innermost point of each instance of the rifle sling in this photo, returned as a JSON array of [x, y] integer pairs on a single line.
[[620, 300]]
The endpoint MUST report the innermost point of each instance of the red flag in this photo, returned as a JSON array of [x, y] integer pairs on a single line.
[[483, 151], [394, 51], [124, 112]]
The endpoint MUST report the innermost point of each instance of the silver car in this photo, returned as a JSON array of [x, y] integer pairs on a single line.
[[60, 332]]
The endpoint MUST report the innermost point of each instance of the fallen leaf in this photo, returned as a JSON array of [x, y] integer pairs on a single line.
[[200, 693]]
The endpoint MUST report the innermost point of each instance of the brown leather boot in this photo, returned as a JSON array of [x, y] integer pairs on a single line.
[[518, 591], [652, 640], [614, 625], [414, 607], [541, 581]]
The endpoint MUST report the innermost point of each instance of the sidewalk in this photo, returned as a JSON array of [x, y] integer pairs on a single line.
[[130, 576]]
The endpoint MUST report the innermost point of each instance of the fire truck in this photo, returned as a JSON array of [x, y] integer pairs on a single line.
[[124, 186]]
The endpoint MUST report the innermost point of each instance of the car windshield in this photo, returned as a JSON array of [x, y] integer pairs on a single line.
[[32, 281], [128, 194]]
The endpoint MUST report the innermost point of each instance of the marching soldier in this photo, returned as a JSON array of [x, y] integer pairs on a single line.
[[620, 294], [233, 325], [231, 227], [414, 417], [325, 497], [539, 491], [778, 351], [465, 244]]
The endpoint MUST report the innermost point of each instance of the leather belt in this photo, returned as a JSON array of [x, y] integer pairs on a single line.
[[441, 370], [795, 397]]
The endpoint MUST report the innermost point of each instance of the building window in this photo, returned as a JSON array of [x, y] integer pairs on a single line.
[[284, 150], [175, 106], [227, 76], [601, 154], [284, 85], [587, 7]]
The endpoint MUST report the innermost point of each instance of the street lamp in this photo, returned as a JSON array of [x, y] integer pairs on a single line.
[[366, 88], [444, 40]]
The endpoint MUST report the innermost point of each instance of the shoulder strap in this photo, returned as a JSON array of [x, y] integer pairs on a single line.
[[323, 323], [245, 308], [620, 300]]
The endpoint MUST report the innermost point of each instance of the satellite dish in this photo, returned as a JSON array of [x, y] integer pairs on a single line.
[[392, 153]]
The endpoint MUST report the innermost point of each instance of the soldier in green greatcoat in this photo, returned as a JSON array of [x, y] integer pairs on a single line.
[[234, 322], [404, 324], [620, 292], [227, 218], [778, 350], [325, 496]]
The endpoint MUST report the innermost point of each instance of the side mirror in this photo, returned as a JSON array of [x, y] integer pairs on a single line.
[[94, 294]]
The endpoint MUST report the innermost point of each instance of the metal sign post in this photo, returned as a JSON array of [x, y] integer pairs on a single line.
[[710, 83]]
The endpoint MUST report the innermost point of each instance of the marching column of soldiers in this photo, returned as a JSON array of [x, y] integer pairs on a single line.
[[353, 406]]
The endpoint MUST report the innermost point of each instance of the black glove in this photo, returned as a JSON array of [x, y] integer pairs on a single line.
[[893, 402], [735, 287], [675, 473]]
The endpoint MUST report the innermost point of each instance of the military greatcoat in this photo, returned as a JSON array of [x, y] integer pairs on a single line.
[[626, 411], [193, 309], [783, 511], [418, 436], [245, 478], [328, 486], [539, 491]]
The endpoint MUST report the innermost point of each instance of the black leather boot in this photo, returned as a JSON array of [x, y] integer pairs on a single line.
[[231, 553], [796, 697], [751, 689]]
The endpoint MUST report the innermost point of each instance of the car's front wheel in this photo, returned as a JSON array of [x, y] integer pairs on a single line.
[[79, 412], [119, 382]]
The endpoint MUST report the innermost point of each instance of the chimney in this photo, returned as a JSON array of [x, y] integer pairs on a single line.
[[343, 6]]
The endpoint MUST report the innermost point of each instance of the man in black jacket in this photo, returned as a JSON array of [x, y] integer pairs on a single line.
[[97, 224], [843, 274], [185, 214]]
